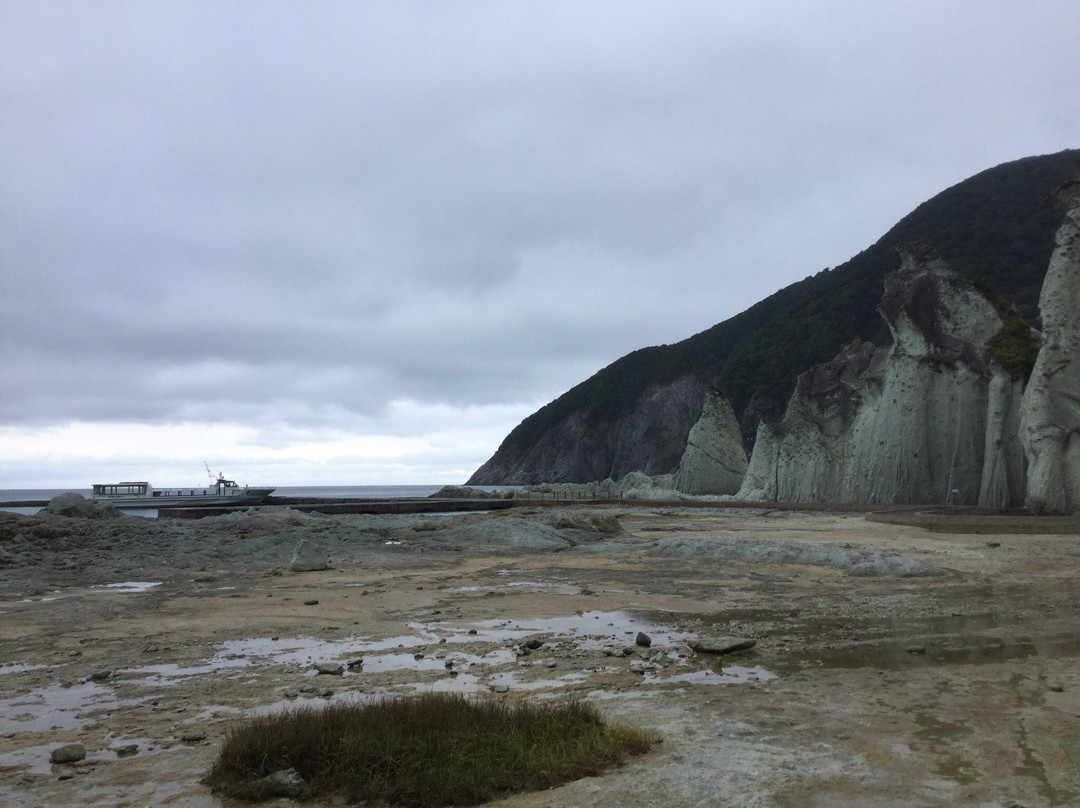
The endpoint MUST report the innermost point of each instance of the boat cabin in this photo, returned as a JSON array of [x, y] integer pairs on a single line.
[[139, 489]]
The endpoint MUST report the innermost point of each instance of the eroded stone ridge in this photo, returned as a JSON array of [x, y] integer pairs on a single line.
[[714, 461], [927, 420], [1050, 413]]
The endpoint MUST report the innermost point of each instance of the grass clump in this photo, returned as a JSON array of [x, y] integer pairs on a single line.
[[428, 750]]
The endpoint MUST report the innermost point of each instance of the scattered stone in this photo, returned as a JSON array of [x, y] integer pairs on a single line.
[[533, 643], [355, 664], [284, 783], [307, 557], [472, 631], [66, 776], [1055, 688], [290, 693], [502, 688], [330, 668], [722, 645], [917, 649], [193, 736], [552, 664], [127, 750], [68, 753], [100, 676], [643, 640], [311, 603]]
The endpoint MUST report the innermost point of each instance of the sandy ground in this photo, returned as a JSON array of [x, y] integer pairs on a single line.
[[953, 683]]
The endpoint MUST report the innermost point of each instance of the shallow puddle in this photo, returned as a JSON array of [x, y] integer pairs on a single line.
[[129, 586], [18, 667], [589, 630], [430, 648], [734, 675], [56, 707]]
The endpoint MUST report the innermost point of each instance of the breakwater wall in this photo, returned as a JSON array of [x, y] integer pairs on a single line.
[[338, 506]]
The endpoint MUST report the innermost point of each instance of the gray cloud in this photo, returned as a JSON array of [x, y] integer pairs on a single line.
[[303, 213]]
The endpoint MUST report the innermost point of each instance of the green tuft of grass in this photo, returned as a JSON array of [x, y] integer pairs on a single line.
[[430, 750]]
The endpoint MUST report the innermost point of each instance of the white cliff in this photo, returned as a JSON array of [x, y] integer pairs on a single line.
[[1050, 413], [926, 420], [714, 461]]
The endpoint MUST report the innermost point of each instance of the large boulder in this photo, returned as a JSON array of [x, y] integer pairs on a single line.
[[1050, 413], [308, 556], [930, 419], [76, 506]]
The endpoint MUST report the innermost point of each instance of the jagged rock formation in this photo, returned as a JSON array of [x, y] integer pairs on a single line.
[[649, 437], [714, 461], [926, 420], [989, 225], [1050, 413]]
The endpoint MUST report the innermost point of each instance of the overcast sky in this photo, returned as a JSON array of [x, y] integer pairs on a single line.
[[357, 243]]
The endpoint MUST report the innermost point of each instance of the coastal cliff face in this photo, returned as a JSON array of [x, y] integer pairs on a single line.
[[926, 420], [650, 438], [636, 413], [714, 461], [1050, 413]]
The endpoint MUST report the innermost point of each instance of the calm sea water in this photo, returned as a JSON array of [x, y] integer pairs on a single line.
[[322, 491]]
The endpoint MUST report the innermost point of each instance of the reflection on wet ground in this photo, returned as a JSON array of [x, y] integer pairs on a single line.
[[130, 586], [57, 707], [472, 657], [35, 759]]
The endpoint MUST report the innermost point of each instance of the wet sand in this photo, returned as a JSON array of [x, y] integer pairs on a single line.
[[956, 688]]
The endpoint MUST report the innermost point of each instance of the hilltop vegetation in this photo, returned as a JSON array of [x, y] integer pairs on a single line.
[[991, 226]]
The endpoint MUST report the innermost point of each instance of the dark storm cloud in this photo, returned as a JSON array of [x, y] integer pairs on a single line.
[[308, 212]]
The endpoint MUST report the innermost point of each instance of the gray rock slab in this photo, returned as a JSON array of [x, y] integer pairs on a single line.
[[722, 645], [307, 557]]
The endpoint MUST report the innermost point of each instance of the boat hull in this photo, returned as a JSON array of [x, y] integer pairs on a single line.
[[143, 495], [252, 496]]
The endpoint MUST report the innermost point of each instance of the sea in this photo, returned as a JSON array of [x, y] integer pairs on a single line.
[[321, 492]]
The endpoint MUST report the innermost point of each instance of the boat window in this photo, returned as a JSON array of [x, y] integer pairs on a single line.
[[121, 489]]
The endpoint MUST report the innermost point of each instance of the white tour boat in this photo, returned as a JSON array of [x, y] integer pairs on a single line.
[[143, 495]]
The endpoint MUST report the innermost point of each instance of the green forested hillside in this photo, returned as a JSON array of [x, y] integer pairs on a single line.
[[991, 226]]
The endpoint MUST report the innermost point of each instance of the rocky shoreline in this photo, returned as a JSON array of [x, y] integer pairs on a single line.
[[865, 663]]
